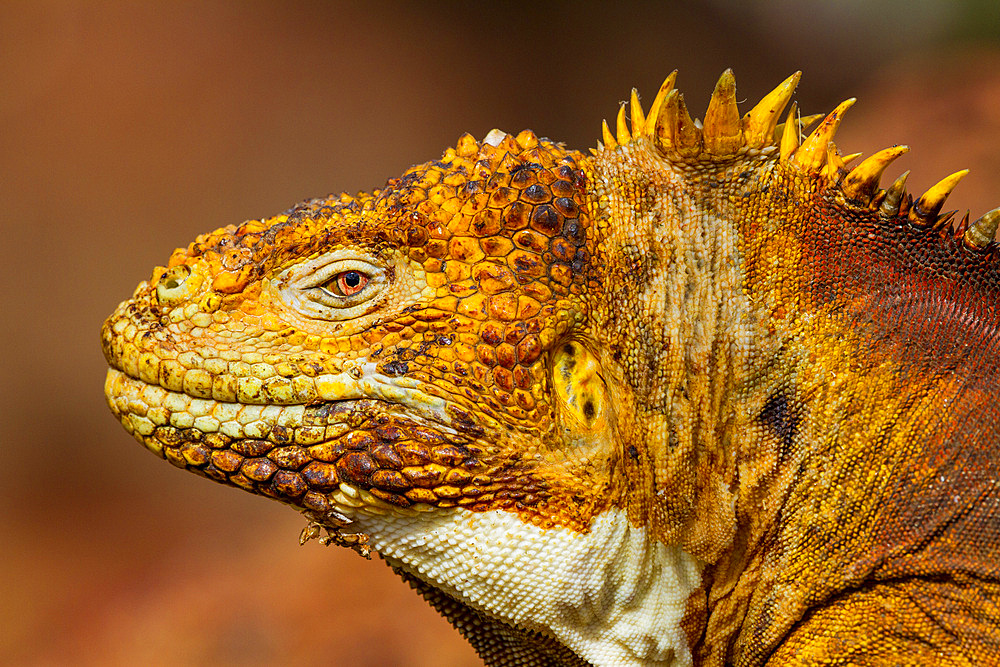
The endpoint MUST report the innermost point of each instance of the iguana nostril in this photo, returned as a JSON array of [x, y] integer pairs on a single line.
[[175, 285]]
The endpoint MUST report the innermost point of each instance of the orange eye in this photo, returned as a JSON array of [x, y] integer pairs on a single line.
[[347, 283]]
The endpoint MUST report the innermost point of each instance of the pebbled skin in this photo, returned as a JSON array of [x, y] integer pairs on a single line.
[[705, 396]]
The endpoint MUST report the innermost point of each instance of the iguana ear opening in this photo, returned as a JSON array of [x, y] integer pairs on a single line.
[[581, 393]]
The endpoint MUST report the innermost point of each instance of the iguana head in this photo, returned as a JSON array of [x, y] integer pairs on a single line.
[[529, 378], [403, 366], [397, 346]]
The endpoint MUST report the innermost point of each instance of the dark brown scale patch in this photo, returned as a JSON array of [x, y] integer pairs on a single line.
[[321, 476], [464, 423], [566, 206], [537, 194], [780, 417], [416, 236], [259, 470], [386, 456], [315, 501], [546, 220], [490, 335], [413, 454], [289, 484], [389, 433], [579, 262], [358, 440], [524, 178], [356, 467], [516, 216], [391, 480], [290, 458], [563, 189], [573, 231]]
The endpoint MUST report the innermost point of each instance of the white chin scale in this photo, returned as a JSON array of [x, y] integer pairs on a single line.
[[612, 595]]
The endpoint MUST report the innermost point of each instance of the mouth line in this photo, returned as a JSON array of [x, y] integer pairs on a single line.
[[145, 408]]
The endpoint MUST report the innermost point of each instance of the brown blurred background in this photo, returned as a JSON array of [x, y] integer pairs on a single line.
[[128, 128]]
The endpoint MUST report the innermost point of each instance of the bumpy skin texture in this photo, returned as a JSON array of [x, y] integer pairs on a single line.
[[705, 396]]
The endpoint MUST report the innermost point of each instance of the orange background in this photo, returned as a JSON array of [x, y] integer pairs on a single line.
[[128, 128]]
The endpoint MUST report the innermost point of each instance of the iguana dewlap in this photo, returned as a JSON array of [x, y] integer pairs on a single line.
[[707, 395]]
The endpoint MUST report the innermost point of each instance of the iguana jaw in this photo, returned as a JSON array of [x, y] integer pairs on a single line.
[[559, 582]]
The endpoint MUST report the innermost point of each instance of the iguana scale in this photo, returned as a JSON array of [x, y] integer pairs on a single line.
[[706, 395]]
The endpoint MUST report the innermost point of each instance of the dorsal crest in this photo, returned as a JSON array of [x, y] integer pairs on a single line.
[[725, 135]]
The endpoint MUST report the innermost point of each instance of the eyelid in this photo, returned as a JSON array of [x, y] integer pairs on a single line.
[[320, 294], [302, 286], [328, 271]]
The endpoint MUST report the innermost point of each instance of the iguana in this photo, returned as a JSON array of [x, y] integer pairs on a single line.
[[706, 395]]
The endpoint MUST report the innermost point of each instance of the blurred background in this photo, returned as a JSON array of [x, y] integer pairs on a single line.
[[128, 128]]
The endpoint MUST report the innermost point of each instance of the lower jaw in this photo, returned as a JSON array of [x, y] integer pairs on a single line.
[[275, 451], [289, 453]]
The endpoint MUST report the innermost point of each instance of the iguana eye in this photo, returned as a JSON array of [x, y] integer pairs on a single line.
[[341, 285], [346, 283]]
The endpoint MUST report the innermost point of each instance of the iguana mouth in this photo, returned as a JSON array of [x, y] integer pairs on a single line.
[[151, 410], [304, 455]]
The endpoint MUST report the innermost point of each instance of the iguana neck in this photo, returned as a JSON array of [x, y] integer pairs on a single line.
[[681, 334], [755, 321]]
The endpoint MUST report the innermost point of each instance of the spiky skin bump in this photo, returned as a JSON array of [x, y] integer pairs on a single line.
[[706, 396]]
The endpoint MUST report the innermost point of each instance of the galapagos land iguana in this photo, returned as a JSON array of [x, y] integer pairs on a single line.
[[706, 395]]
